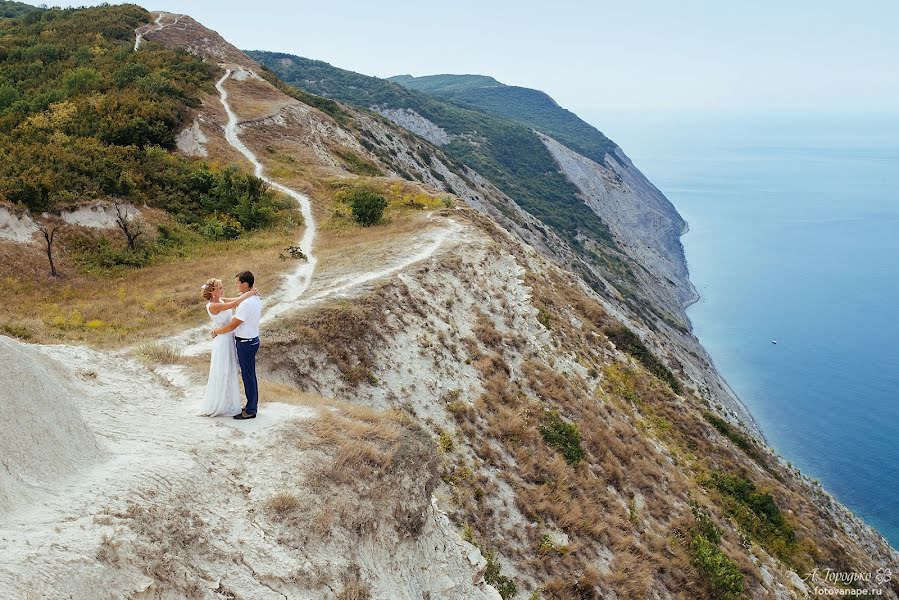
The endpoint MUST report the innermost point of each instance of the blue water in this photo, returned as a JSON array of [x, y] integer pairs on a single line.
[[794, 236]]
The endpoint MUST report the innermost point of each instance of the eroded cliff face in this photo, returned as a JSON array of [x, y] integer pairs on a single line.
[[642, 219]]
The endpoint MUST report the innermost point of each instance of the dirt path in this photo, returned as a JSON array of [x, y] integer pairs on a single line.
[[157, 25], [156, 450], [294, 283]]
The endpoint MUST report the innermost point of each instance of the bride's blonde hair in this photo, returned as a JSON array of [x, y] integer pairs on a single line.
[[209, 287]]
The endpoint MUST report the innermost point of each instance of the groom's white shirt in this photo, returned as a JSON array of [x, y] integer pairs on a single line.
[[248, 312]]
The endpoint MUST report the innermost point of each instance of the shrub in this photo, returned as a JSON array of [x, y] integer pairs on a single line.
[[562, 436], [104, 255], [756, 513], [503, 584], [721, 573], [356, 164], [543, 317], [294, 252], [628, 341], [218, 227], [367, 205], [741, 440]]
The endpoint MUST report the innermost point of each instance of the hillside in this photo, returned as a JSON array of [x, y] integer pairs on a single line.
[[529, 107], [644, 272], [505, 147], [527, 174], [87, 128], [450, 409], [10, 9]]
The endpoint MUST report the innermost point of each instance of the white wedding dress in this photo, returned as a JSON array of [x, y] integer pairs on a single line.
[[222, 391]]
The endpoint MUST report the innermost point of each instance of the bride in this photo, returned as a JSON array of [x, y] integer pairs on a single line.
[[222, 391]]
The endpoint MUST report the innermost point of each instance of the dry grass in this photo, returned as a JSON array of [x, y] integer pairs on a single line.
[[377, 469], [256, 98], [591, 502], [168, 541], [345, 332], [366, 441], [282, 505], [160, 353], [273, 391], [118, 310], [353, 587]]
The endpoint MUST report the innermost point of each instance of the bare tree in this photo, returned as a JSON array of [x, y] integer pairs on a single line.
[[130, 225], [49, 229]]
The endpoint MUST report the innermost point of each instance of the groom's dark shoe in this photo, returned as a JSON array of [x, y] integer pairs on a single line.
[[245, 415]]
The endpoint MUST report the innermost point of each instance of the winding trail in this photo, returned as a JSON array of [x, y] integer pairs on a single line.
[[139, 37], [298, 281], [156, 452]]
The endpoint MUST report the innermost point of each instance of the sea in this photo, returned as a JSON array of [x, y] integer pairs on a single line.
[[793, 245]]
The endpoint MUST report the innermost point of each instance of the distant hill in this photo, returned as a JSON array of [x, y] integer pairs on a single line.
[[503, 148], [10, 10], [529, 107], [441, 84]]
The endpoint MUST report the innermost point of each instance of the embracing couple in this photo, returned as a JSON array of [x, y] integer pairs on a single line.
[[235, 342]]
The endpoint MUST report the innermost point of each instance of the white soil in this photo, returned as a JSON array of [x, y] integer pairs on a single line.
[[101, 215], [106, 464], [15, 227]]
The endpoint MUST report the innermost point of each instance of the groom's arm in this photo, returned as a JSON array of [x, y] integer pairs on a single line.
[[234, 324]]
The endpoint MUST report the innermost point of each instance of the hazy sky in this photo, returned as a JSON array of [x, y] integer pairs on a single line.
[[783, 55]]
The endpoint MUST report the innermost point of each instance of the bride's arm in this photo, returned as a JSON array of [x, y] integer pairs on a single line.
[[230, 303]]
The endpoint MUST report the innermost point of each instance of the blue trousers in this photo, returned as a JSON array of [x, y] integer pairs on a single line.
[[246, 357]]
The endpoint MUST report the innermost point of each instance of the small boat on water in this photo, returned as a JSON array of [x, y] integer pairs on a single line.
[[774, 342]]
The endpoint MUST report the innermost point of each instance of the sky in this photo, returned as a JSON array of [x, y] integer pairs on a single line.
[[788, 56]]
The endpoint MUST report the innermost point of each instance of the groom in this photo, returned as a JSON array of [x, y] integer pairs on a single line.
[[245, 325]]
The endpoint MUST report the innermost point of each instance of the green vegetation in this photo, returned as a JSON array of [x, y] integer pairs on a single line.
[[492, 575], [326, 105], [720, 572], [81, 113], [83, 116], [445, 84], [723, 576], [740, 439], [532, 108], [628, 341], [508, 153], [9, 10], [562, 436], [756, 514], [367, 205], [492, 572], [356, 164]]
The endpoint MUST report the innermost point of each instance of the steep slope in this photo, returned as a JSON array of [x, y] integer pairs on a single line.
[[451, 412], [643, 275], [421, 335], [644, 222], [529, 107], [509, 155]]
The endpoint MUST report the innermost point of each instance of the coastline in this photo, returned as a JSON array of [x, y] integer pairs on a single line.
[[752, 423]]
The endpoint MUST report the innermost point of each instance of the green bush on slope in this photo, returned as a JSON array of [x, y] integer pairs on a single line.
[[562, 436], [84, 116]]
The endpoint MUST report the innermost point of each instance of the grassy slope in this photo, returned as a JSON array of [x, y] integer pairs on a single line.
[[507, 153], [529, 107], [84, 117]]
